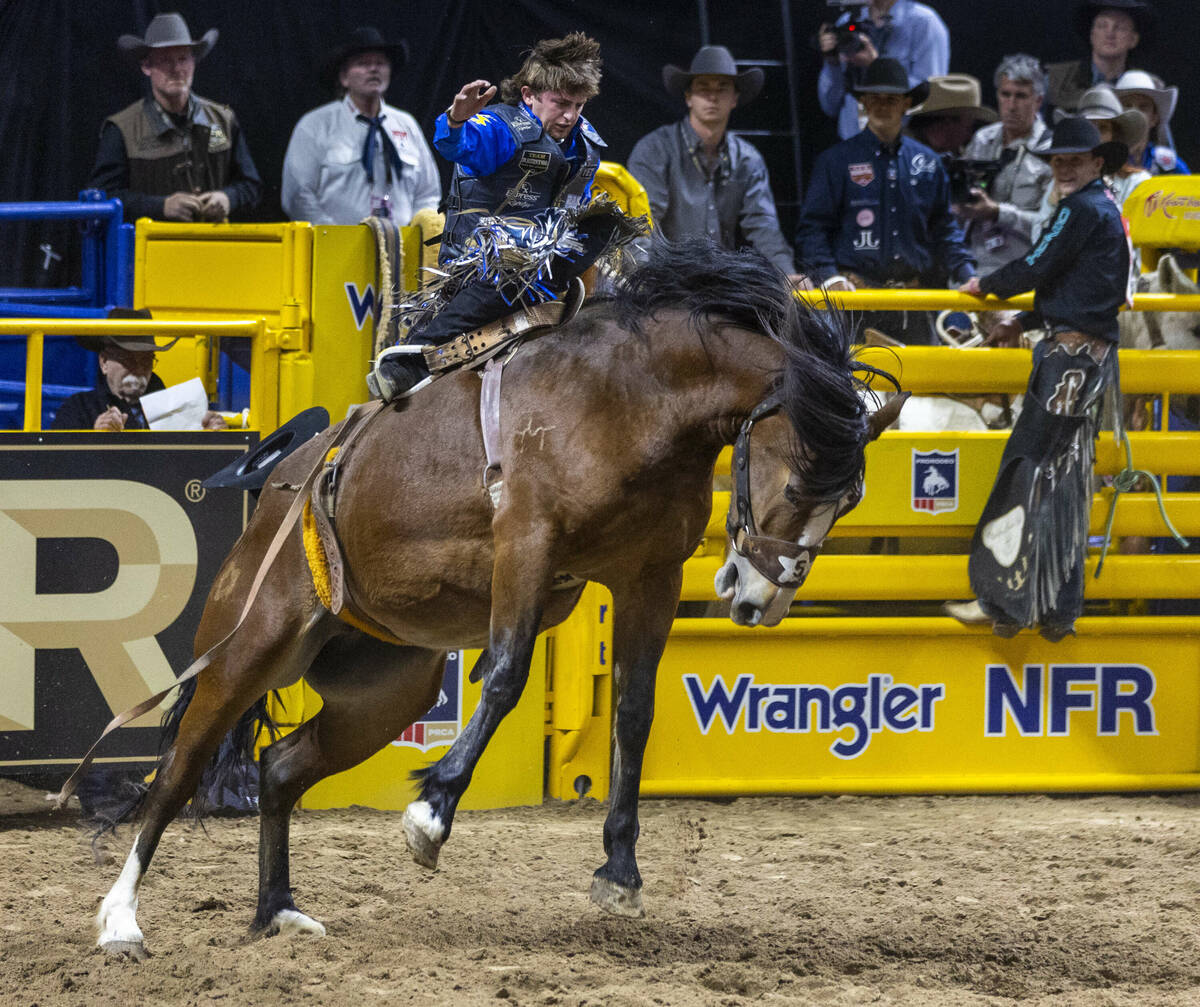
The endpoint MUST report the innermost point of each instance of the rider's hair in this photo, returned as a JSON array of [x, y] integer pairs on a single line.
[[570, 65]]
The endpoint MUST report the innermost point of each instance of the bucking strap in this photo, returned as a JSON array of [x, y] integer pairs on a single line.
[[490, 339]]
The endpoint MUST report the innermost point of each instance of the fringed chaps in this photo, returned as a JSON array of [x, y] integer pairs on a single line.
[[1027, 556]]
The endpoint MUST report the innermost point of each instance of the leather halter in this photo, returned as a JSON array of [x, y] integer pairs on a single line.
[[776, 559]]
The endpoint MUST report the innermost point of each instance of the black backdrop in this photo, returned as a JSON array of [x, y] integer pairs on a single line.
[[62, 74]]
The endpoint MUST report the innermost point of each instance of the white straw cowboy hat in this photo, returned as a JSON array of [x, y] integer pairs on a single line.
[[716, 61], [953, 93], [165, 31], [1140, 82], [1100, 104]]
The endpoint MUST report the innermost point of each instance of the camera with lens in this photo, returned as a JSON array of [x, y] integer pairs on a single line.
[[966, 175], [850, 30]]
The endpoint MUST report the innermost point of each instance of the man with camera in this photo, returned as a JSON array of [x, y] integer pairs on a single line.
[[909, 32], [999, 208]]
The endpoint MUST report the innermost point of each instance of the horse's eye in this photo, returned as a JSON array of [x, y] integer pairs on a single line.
[[793, 496]]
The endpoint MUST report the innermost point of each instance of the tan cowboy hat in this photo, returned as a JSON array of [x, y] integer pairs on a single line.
[[164, 31], [1100, 104], [715, 61], [954, 93], [1140, 82]]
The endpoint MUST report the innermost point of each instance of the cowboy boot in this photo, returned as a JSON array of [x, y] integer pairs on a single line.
[[399, 371]]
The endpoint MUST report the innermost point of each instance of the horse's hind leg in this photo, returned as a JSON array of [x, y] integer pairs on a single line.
[[371, 692], [227, 688]]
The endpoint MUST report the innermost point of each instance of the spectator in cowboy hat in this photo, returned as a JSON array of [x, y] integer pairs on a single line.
[[701, 180], [877, 212], [174, 155], [951, 114], [357, 156], [1113, 28], [126, 374], [1145, 92], [1129, 126]]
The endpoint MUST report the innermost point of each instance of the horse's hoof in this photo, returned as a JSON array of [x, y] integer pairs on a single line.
[[617, 899], [423, 833], [129, 950], [291, 921]]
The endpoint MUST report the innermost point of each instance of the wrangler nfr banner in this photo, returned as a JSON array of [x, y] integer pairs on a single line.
[[109, 545]]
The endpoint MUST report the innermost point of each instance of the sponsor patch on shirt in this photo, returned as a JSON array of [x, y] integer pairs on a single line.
[[865, 218], [862, 174], [534, 160]]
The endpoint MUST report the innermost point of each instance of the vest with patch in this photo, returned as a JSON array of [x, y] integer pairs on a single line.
[[535, 177], [165, 160]]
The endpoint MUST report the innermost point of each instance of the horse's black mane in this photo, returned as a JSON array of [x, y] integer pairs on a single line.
[[819, 386]]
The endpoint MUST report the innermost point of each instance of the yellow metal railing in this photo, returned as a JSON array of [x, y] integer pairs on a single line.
[[942, 300], [36, 329]]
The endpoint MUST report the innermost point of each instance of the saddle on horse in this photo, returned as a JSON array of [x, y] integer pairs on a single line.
[[401, 370]]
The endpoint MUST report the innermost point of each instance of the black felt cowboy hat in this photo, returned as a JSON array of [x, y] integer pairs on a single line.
[[713, 61], [1141, 13], [165, 31], [886, 76], [362, 39], [134, 344], [1077, 135]]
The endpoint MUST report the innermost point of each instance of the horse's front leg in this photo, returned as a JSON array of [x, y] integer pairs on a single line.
[[519, 588], [643, 611]]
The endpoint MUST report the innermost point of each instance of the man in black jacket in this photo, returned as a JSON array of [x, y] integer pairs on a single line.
[[1027, 556], [127, 373]]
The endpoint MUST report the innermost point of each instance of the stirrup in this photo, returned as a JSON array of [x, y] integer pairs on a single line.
[[398, 372]]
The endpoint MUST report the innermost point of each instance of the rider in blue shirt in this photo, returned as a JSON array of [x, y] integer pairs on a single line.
[[529, 153]]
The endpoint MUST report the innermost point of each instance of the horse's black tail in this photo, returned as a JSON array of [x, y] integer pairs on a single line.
[[230, 781]]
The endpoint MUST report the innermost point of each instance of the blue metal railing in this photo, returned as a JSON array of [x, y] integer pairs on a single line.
[[106, 259]]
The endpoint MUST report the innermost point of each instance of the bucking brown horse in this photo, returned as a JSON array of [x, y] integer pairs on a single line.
[[610, 428]]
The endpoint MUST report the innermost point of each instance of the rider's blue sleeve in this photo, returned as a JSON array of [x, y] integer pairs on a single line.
[[480, 145]]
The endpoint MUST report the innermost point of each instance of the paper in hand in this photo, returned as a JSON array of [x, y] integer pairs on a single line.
[[180, 407]]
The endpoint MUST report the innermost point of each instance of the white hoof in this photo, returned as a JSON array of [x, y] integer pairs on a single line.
[[424, 833], [291, 921], [617, 899], [134, 950], [120, 935], [116, 921]]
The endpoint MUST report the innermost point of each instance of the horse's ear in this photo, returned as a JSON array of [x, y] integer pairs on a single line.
[[885, 415]]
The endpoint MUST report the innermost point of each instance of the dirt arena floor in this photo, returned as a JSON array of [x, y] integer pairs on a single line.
[[910, 900]]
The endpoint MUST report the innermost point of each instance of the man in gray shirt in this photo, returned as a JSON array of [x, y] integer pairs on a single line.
[[700, 179]]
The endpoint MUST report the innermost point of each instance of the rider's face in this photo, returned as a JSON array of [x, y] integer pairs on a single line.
[[557, 110]]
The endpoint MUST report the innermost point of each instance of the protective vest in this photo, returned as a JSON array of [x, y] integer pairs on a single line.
[[164, 158], [535, 177]]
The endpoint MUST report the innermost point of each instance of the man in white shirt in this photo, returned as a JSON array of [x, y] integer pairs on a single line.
[[358, 156]]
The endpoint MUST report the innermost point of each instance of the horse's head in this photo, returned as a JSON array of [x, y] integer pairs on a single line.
[[776, 524]]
